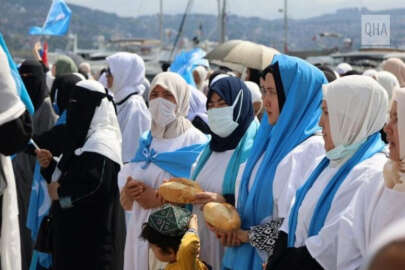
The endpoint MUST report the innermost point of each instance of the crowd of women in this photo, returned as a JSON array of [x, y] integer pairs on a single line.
[[312, 158]]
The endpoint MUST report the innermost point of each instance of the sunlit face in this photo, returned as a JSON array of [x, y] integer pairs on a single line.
[[196, 77], [159, 91], [216, 102], [257, 106], [110, 78], [270, 98], [391, 129], [168, 257], [325, 125]]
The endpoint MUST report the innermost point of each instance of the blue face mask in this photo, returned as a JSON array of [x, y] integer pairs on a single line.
[[343, 151]]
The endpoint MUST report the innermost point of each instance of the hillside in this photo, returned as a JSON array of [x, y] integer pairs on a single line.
[[16, 16]]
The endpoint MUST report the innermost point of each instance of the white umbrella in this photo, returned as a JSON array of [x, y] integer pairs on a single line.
[[245, 53]]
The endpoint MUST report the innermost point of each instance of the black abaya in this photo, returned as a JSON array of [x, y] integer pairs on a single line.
[[90, 234]]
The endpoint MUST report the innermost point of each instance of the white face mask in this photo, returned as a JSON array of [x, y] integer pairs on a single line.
[[163, 111], [220, 120]]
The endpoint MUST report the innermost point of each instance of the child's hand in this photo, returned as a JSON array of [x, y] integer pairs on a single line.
[[193, 223]]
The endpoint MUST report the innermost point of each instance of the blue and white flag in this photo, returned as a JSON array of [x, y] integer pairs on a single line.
[[39, 205], [57, 22], [185, 62], [21, 90]]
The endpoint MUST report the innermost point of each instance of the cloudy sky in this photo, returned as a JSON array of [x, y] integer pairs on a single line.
[[261, 8]]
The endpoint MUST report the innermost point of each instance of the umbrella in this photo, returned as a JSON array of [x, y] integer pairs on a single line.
[[246, 53], [234, 67]]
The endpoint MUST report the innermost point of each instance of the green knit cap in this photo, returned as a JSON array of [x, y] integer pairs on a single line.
[[65, 65], [170, 220]]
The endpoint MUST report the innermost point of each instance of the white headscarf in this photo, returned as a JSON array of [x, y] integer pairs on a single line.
[[198, 105], [104, 135], [178, 87], [357, 108], [128, 70], [388, 81], [103, 80], [394, 172], [202, 73], [255, 91], [394, 232], [11, 106], [343, 68], [370, 73], [397, 67], [146, 84]]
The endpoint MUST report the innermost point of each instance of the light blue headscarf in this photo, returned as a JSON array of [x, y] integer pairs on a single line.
[[178, 163], [302, 83], [373, 145], [22, 91]]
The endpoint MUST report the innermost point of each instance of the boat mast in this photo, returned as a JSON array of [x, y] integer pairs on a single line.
[[285, 27], [221, 20], [161, 23]]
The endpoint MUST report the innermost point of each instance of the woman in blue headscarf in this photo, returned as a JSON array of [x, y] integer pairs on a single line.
[[233, 130], [354, 111], [285, 149]]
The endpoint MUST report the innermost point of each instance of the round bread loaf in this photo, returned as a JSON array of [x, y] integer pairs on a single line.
[[222, 216], [179, 190]]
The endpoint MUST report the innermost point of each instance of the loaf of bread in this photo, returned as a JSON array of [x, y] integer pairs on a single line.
[[179, 190], [222, 216]]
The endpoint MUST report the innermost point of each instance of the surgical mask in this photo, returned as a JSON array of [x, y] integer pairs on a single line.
[[343, 151], [220, 120], [163, 111]]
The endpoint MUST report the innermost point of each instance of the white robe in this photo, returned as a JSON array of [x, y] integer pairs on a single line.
[[11, 108], [211, 179], [136, 250], [323, 247], [10, 233], [134, 119], [373, 209]]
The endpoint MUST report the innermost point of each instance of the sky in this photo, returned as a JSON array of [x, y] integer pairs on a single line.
[[267, 9]]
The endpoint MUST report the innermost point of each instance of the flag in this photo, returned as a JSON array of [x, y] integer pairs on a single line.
[[44, 54], [185, 62], [39, 205], [38, 208], [21, 90], [57, 22]]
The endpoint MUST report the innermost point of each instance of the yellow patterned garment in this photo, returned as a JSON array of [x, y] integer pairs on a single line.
[[187, 255]]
